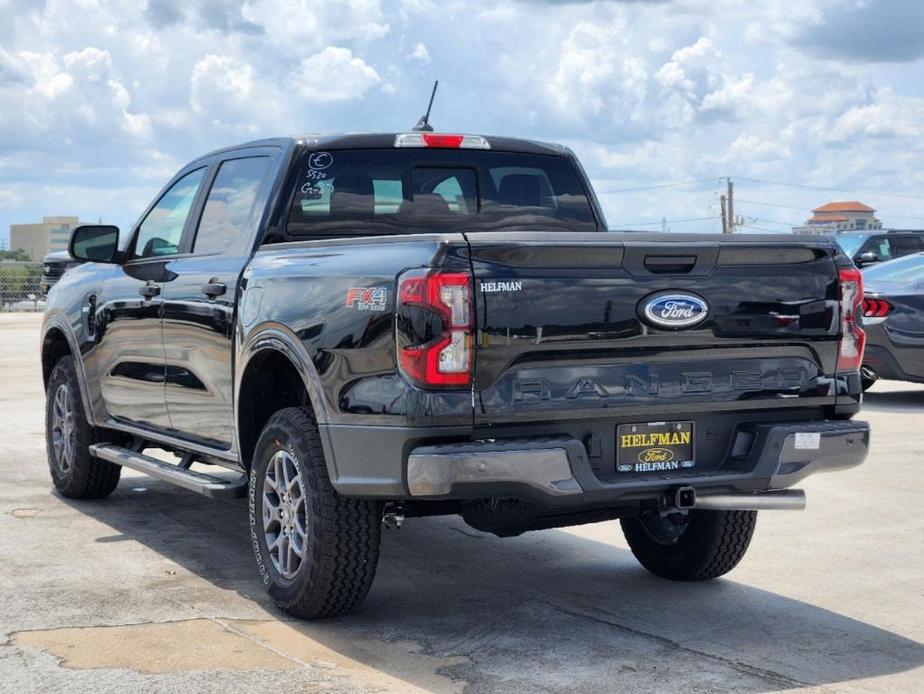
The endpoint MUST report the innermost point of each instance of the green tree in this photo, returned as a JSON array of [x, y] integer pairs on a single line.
[[18, 280]]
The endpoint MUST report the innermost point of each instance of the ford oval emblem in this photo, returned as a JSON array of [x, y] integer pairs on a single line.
[[675, 310]]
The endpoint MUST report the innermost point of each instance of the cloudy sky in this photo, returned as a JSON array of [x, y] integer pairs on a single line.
[[102, 100]]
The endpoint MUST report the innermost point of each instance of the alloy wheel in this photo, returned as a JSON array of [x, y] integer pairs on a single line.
[[284, 509], [63, 428]]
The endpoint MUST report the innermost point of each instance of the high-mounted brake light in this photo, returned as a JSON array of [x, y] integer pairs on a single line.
[[441, 140], [853, 338], [876, 308], [445, 360]]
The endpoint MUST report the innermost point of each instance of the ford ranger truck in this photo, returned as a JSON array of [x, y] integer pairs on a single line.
[[354, 330]]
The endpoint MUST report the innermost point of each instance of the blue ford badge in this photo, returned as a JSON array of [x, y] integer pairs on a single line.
[[675, 310]]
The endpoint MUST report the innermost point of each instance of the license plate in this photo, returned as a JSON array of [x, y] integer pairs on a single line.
[[654, 447]]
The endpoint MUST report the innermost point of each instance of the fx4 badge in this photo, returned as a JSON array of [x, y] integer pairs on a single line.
[[367, 298]]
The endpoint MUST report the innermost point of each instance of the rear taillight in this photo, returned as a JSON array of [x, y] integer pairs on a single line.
[[853, 339], [876, 308], [444, 359], [441, 140]]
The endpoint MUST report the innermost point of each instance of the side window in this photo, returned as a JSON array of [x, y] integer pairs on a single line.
[[904, 245], [227, 208], [880, 246], [161, 231]]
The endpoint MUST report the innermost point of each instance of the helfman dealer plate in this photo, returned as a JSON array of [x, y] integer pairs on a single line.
[[654, 447]]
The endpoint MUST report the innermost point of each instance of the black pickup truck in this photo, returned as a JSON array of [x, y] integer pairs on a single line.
[[365, 328]]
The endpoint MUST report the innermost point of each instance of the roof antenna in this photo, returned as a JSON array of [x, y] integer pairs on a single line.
[[424, 122]]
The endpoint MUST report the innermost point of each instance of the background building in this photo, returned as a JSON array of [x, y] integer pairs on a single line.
[[37, 240], [847, 215]]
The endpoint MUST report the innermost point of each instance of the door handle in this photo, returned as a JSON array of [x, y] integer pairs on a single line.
[[213, 288], [149, 290]]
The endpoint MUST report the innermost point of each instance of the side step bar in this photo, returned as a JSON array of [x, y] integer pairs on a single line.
[[209, 485]]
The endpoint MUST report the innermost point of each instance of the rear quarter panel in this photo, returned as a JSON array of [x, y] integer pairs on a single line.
[[305, 294]]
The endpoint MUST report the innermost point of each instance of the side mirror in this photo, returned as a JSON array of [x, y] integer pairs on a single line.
[[96, 243], [867, 258]]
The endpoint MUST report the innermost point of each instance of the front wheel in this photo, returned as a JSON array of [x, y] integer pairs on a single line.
[[75, 472], [316, 550], [693, 547]]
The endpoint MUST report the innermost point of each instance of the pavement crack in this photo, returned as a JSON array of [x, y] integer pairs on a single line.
[[258, 642], [737, 665]]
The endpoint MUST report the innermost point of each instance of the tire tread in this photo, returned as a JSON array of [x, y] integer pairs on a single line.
[[341, 567], [90, 477]]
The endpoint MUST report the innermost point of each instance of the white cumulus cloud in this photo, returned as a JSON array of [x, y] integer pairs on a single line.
[[334, 74]]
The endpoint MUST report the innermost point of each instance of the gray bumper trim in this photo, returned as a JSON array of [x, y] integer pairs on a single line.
[[433, 471]]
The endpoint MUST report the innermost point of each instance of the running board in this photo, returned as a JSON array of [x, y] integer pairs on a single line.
[[209, 485]]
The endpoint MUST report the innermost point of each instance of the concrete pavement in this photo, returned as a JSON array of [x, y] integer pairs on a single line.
[[155, 589]]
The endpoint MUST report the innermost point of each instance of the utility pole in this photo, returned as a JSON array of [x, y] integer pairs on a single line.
[[724, 215], [730, 227]]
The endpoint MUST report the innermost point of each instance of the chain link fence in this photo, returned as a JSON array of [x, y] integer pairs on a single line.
[[20, 286]]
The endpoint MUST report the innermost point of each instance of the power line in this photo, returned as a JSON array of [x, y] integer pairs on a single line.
[[773, 221], [769, 231], [662, 185], [668, 221], [830, 190], [802, 209], [772, 204]]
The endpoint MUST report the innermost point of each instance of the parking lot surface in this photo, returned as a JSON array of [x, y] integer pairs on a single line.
[[155, 589]]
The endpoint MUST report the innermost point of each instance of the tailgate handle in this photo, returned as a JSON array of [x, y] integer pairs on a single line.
[[669, 264]]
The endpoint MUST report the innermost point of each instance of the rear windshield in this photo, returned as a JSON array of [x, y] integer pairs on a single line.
[[395, 191]]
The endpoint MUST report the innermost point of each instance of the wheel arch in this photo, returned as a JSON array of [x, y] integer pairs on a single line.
[[275, 373], [58, 341]]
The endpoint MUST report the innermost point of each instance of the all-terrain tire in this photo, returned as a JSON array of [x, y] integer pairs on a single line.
[[76, 474], [711, 544], [341, 544]]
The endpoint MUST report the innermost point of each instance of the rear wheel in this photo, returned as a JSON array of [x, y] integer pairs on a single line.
[[693, 547], [316, 550], [68, 435]]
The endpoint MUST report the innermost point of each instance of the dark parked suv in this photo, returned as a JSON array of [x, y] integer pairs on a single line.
[[53, 266], [365, 328], [868, 247]]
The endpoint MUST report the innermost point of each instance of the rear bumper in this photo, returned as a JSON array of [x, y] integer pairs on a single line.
[[557, 471]]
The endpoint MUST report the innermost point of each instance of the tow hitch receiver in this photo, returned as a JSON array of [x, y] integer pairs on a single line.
[[677, 499]]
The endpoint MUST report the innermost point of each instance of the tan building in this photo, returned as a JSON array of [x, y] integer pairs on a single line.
[[38, 240], [847, 215]]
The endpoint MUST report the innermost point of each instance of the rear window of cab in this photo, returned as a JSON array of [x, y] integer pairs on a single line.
[[393, 191]]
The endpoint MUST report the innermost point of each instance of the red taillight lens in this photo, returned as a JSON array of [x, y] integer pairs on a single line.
[[853, 339], [876, 308], [446, 358]]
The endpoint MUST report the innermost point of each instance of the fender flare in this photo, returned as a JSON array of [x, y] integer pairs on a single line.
[[57, 321], [276, 337]]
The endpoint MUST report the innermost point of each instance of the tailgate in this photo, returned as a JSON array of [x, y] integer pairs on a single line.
[[575, 325]]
